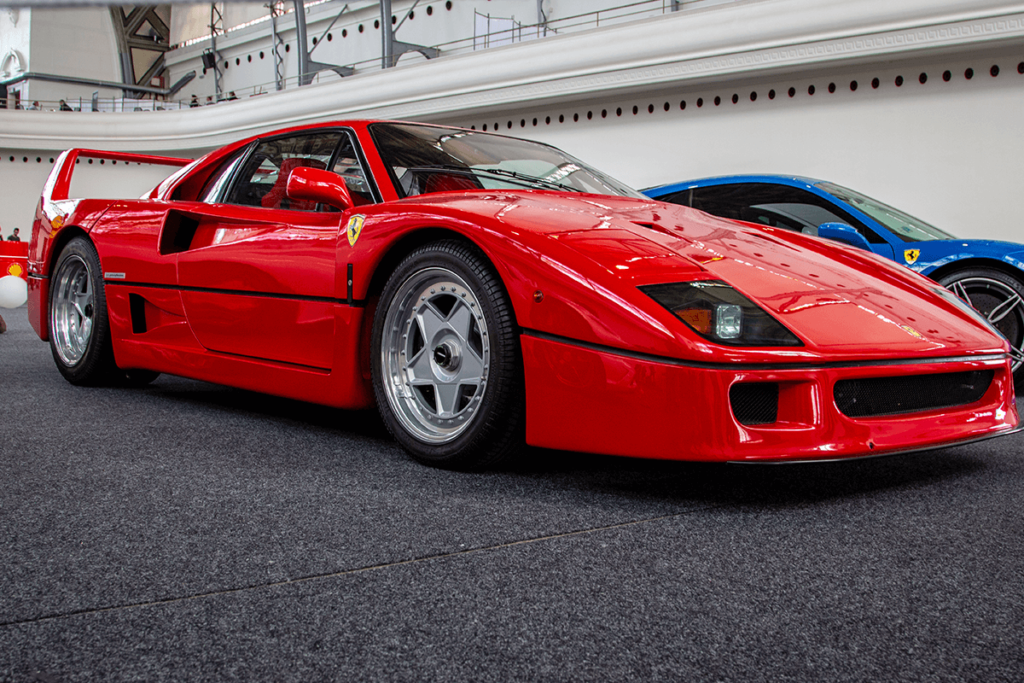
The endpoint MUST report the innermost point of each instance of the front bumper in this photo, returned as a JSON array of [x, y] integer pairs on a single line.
[[600, 400]]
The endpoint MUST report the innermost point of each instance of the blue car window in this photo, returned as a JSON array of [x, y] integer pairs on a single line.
[[780, 206], [796, 216], [904, 226]]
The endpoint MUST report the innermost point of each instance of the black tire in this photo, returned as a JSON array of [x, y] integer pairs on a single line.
[[446, 361], [1000, 298], [79, 326]]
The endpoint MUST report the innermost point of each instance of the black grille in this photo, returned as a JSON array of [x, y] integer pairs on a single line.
[[879, 396], [755, 403]]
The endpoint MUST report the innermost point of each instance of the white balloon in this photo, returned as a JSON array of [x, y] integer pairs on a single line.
[[13, 291]]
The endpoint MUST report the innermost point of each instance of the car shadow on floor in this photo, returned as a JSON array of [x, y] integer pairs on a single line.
[[756, 485], [363, 423]]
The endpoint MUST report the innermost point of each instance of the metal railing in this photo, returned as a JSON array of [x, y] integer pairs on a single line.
[[101, 104]]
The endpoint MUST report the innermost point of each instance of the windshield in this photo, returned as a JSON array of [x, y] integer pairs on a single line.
[[426, 159], [904, 226]]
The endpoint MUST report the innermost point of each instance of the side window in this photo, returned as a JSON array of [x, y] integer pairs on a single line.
[[727, 201], [213, 188], [348, 167], [779, 206], [264, 176], [684, 198]]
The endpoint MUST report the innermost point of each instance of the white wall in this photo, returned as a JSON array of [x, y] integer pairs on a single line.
[[15, 38], [951, 153], [76, 42], [20, 184]]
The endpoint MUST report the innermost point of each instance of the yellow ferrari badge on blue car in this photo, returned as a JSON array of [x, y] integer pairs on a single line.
[[355, 226], [910, 255]]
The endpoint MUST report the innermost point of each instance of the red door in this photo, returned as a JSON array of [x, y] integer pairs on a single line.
[[260, 283]]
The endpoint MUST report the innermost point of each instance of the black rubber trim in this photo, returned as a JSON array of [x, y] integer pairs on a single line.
[[355, 303], [884, 454], [37, 276], [271, 361], [601, 348]]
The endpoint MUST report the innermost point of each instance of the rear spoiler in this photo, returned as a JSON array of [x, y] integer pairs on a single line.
[[58, 184]]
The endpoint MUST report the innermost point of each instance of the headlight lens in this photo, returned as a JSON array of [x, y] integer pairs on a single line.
[[717, 312]]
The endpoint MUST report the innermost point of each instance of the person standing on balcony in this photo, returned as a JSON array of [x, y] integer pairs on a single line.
[[13, 237]]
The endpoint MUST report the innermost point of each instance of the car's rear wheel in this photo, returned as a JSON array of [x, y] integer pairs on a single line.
[[1000, 298], [79, 329], [446, 364]]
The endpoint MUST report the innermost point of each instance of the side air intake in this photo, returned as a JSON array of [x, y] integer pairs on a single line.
[[755, 403]]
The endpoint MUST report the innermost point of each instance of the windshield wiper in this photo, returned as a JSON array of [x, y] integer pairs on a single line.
[[524, 179], [530, 178]]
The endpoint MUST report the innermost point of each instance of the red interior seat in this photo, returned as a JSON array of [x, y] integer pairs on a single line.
[[449, 182], [275, 199]]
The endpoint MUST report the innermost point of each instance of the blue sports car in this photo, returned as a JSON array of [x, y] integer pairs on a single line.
[[987, 274]]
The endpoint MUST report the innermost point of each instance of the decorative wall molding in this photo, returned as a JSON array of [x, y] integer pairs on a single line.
[[11, 64], [759, 37]]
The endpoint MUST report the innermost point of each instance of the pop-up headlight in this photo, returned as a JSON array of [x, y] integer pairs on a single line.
[[716, 311]]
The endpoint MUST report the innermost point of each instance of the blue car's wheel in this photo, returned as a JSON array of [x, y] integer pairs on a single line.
[[1000, 298]]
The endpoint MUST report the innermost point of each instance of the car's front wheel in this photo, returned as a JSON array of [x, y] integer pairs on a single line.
[[446, 362], [1000, 298]]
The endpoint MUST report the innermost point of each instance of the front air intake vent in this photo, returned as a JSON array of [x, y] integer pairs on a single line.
[[755, 403], [879, 396]]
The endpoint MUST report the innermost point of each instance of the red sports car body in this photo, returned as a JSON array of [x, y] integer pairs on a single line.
[[484, 291]]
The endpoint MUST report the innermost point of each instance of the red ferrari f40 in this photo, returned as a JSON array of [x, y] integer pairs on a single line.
[[485, 291]]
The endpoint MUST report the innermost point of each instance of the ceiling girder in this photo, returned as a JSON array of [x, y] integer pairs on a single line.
[[126, 32]]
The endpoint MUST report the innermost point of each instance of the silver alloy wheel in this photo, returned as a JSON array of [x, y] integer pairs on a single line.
[[72, 308], [435, 355], [1001, 305]]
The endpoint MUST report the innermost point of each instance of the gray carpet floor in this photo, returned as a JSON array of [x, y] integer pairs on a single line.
[[191, 532]]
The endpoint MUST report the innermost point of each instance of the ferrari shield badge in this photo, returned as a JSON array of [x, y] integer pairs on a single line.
[[355, 226], [910, 255]]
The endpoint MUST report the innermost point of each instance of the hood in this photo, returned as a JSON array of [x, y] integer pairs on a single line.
[[838, 300]]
